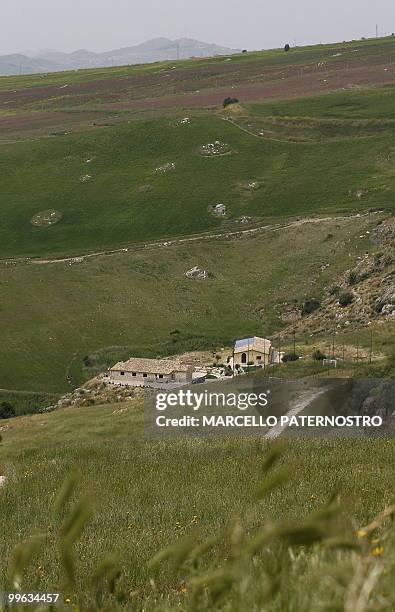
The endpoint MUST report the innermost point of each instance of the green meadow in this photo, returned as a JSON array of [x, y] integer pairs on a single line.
[[371, 103], [104, 204], [140, 303]]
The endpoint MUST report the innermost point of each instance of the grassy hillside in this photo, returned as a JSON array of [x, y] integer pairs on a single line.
[[106, 203], [109, 182], [94, 151], [147, 495], [56, 314], [368, 104], [369, 52]]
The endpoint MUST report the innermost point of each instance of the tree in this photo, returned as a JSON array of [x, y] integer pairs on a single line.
[[7, 411], [287, 48], [229, 101]]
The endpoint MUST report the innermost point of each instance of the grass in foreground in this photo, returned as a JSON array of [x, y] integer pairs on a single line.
[[147, 495]]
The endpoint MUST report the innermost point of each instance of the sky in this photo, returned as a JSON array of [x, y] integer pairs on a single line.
[[100, 25]]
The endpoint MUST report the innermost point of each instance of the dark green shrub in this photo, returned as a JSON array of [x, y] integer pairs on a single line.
[[7, 411], [334, 290], [318, 355], [352, 277], [346, 298], [290, 357], [229, 101], [310, 306]]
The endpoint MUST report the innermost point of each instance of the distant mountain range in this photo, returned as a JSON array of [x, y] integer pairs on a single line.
[[155, 50]]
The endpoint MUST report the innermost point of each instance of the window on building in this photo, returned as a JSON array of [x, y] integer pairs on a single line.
[[160, 376], [145, 375], [122, 373], [244, 358], [134, 374], [259, 358]]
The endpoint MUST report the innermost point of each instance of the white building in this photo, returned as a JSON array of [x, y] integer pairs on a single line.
[[138, 372], [253, 351]]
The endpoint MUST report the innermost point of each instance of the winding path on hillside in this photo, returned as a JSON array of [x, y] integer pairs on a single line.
[[194, 238]]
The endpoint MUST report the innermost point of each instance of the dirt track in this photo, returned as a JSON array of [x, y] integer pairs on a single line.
[[195, 238]]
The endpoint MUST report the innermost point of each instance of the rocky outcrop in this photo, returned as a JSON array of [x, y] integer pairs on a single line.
[[384, 233], [94, 392], [197, 273]]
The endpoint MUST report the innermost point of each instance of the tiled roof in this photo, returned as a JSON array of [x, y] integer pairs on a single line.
[[149, 366]]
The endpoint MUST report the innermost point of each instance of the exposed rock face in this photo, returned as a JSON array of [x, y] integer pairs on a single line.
[[93, 392], [384, 233], [385, 303]]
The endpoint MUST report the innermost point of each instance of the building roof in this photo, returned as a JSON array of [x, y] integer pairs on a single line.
[[149, 366], [261, 345]]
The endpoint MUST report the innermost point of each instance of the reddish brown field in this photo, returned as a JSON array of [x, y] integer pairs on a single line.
[[295, 86], [188, 87]]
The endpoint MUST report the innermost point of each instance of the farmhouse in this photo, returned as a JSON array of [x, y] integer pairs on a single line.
[[138, 372], [256, 351]]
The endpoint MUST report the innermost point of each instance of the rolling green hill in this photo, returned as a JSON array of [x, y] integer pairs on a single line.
[[53, 315], [105, 202], [125, 193], [115, 176]]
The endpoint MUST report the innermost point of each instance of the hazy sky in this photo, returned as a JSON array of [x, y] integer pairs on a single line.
[[254, 24]]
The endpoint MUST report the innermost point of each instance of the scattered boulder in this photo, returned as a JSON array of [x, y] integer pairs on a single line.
[[85, 178], [252, 185], [165, 168], [218, 209], [197, 273], [215, 149], [45, 218]]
